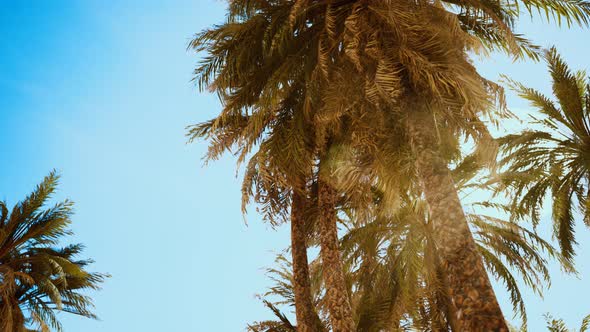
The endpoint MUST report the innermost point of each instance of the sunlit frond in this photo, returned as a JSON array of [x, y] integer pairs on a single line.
[[552, 160]]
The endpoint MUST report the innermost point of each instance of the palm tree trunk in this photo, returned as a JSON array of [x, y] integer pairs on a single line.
[[338, 301], [307, 317], [443, 296], [469, 287], [450, 311]]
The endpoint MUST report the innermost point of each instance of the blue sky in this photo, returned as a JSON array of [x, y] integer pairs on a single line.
[[101, 91]]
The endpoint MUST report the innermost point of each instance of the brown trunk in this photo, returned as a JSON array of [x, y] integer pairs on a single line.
[[469, 287], [450, 309], [307, 318], [337, 298]]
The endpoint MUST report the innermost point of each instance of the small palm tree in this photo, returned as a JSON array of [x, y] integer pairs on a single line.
[[38, 279], [554, 159]]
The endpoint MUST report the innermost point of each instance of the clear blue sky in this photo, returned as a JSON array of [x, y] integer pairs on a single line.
[[101, 91]]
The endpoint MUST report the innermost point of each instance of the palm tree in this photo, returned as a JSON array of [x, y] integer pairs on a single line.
[[262, 108], [268, 97], [37, 279], [553, 159], [283, 71]]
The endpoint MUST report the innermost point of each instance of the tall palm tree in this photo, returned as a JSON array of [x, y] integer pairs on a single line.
[[281, 69], [37, 278], [262, 95], [269, 96], [553, 158]]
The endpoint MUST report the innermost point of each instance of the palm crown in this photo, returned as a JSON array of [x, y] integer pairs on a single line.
[[555, 158], [37, 278]]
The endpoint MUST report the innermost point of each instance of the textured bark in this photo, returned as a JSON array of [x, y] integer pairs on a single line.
[[450, 309], [337, 298], [469, 288], [307, 317]]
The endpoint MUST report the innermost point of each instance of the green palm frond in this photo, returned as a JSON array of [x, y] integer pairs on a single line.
[[39, 279]]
